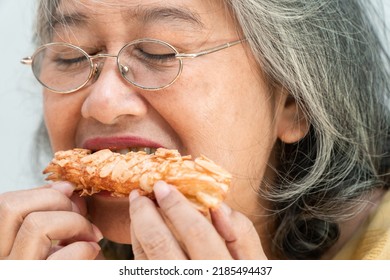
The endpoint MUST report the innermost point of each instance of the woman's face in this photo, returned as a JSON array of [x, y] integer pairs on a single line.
[[220, 106]]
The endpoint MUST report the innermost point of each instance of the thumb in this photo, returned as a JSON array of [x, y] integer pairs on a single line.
[[66, 188]]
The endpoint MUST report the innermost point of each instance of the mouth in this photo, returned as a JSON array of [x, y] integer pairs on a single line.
[[122, 145], [123, 151], [108, 195]]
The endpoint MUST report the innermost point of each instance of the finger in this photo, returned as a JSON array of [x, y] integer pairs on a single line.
[[81, 250], [39, 229], [15, 206], [202, 241], [138, 251], [79, 203], [151, 238], [240, 235], [63, 187], [66, 188], [65, 242]]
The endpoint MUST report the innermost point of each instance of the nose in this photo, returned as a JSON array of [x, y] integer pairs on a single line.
[[111, 97]]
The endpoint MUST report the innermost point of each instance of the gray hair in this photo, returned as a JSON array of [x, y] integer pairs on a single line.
[[327, 55]]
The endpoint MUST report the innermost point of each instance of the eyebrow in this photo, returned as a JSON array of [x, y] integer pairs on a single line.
[[70, 19], [175, 14], [142, 14]]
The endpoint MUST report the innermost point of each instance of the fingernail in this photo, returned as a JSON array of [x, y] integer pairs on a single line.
[[95, 246], [98, 233], [62, 186], [133, 195], [161, 190]]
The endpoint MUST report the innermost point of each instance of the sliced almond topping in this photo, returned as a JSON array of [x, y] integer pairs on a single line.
[[202, 181]]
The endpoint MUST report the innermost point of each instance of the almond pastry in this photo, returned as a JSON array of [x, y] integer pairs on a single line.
[[202, 181]]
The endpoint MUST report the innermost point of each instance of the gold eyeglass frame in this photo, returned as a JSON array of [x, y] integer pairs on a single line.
[[94, 67]]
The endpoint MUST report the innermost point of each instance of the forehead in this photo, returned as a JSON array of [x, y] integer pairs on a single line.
[[191, 12]]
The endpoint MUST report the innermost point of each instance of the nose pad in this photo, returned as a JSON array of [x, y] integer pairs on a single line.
[[124, 69], [97, 67]]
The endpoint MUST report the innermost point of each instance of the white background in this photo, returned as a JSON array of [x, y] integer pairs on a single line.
[[20, 99], [196, 269]]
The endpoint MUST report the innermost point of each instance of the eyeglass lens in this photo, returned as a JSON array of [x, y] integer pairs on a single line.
[[147, 64]]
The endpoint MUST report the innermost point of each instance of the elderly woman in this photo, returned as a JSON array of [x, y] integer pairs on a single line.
[[288, 96]]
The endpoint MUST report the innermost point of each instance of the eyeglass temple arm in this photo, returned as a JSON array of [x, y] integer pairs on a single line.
[[211, 50], [26, 60]]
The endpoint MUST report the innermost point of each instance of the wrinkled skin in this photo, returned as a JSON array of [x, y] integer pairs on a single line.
[[221, 107]]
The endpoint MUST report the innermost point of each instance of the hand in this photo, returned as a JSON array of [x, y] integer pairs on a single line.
[[177, 230], [46, 223]]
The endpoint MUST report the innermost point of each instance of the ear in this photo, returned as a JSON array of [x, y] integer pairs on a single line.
[[293, 124]]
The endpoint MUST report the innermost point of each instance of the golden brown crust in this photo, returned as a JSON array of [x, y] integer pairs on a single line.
[[200, 180]]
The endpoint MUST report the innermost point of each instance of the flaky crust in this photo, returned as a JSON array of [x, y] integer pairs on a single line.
[[202, 181]]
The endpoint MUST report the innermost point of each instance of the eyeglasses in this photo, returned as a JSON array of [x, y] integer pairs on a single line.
[[149, 64]]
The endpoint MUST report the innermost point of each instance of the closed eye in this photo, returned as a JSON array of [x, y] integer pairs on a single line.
[[155, 57], [71, 61]]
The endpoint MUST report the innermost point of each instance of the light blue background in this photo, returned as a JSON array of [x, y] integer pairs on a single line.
[[20, 99]]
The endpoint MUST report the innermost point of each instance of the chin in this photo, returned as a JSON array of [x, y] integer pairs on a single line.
[[111, 216]]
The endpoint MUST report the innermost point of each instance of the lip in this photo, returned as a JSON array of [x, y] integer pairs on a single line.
[[115, 143]]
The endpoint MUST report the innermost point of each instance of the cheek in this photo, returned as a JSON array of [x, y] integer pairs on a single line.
[[228, 116], [61, 115]]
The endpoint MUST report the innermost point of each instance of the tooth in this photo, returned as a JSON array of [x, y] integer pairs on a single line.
[[147, 150], [122, 151]]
